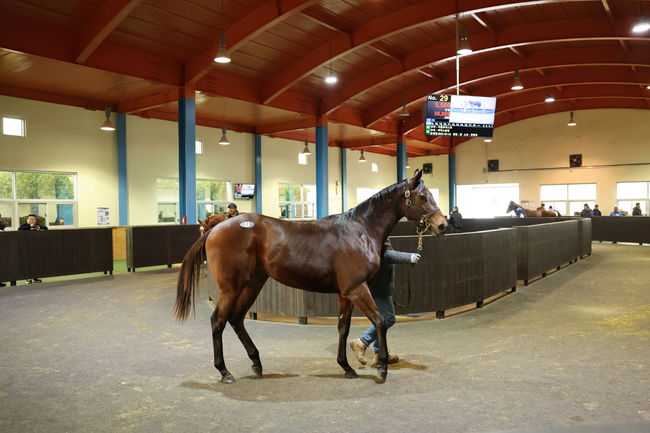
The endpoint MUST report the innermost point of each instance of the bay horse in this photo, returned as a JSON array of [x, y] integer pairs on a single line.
[[335, 254], [539, 212], [211, 221]]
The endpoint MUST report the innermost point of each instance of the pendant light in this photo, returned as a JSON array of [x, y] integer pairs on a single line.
[[222, 54], [549, 98], [224, 140], [463, 44], [404, 112], [362, 158], [107, 125], [516, 84], [306, 150], [571, 121]]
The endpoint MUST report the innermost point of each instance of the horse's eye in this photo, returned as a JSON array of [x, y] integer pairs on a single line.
[[423, 197]]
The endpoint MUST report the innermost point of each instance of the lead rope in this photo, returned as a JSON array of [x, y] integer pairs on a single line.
[[420, 233]]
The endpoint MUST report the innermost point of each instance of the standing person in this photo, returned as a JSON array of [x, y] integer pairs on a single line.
[[381, 289], [31, 224], [232, 210], [456, 221], [636, 211], [586, 212], [615, 212], [597, 211]]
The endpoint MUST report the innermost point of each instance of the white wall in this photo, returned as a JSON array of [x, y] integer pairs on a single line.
[[602, 137], [67, 139]]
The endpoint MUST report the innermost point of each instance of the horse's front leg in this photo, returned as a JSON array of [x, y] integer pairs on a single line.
[[362, 299], [345, 314]]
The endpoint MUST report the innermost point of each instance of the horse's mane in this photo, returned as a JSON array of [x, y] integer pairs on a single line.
[[368, 206]]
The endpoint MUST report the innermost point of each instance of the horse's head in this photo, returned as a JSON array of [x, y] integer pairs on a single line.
[[511, 206], [421, 207]]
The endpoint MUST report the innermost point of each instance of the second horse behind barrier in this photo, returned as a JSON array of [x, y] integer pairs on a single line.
[[336, 254], [522, 212]]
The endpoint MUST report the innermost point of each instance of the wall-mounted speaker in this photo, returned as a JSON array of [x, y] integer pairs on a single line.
[[427, 168], [575, 160], [493, 165]]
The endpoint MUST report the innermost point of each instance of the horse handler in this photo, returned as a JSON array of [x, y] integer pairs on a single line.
[[381, 289]]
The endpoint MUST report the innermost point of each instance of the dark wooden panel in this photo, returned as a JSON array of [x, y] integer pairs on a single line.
[[621, 229], [158, 245], [39, 254]]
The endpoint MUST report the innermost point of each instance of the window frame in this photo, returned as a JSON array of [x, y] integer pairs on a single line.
[[568, 202], [23, 125], [291, 205]]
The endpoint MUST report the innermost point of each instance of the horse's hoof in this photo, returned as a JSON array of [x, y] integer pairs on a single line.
[[229, 378], [351, 374], [257, 370], [383, 372]]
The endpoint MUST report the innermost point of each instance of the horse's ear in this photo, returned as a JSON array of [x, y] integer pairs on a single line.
[[417, 177]]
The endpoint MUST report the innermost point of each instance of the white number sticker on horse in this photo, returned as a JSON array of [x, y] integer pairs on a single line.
[[247, 224]]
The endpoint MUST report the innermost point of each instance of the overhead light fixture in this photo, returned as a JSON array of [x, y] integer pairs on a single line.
[[549, 98], [408, 164], [306, 150], [488, 140], [222, 54], [516, 84], [641, 25], [648, 87], [224, 140], [463, 44], [331, 77], [404, 112], [362, 158], [571, 121], [107, 125]]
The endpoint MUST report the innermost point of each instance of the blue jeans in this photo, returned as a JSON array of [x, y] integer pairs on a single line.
[[387, 311]]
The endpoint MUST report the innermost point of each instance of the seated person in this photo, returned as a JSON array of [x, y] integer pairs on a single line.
[[31, 224], [586, 212], [616, 212], [597, 211], [636, 211]]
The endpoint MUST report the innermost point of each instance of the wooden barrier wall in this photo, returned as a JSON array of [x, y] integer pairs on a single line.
[[158, 245], [621, 229], [50, 253]]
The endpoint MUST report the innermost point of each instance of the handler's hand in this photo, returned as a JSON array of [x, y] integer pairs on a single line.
[[415, 257]]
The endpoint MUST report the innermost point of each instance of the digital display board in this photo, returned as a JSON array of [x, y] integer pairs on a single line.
[[244, 191], [459, 115]]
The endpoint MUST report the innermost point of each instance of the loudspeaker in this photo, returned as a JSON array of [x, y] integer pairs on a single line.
[[493, 165], [427, 168], [575, 160]]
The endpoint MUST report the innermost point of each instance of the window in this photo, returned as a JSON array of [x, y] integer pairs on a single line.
[[628, 194], [198, 148], [374, 167], [568, 199], [485, 201], [212, 197], [297, 201], [49, 195], [167, 199], [13, 126], [302, 158]]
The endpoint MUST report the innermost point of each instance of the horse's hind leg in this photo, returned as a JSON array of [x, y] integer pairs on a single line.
[[244, 302], [345, 313], [219, 317]]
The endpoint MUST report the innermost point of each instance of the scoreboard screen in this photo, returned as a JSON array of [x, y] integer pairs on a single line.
[[459, 115]]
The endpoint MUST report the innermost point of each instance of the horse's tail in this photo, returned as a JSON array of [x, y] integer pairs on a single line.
[[188, 277], [558, 213]]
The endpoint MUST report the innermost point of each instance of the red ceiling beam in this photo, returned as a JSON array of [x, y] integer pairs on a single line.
[[55, 98], [268, 14], [109, 16], [504, 66], [286, 126], [148, 102]]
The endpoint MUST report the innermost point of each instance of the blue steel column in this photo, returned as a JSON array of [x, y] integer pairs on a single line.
[[187, 158], [452, 180], [321, 172], [344, 179], [401, 159], [122, 184], [258, 173]]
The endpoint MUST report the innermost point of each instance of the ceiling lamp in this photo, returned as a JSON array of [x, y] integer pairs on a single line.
[[362, 158], [549, 98], [404, 112], [224, 140], [463, 45], [107, 125], [331, 78], [408, 164], [306, 150], [222, 54], [516, 84], [648, 87], [488, 140], [571, 121], [641, 25]]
